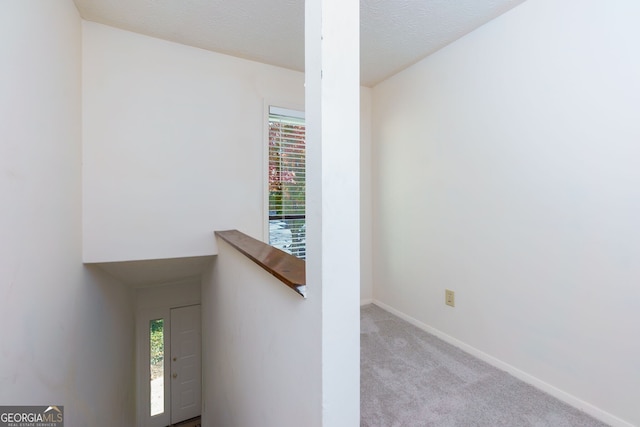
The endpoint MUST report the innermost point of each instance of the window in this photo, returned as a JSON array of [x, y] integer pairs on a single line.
[[156, 365], [287, 221]]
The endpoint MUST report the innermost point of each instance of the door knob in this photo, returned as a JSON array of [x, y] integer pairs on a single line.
[[175, 375]]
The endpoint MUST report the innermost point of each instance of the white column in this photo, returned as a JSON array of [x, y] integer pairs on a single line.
[[332, 56]]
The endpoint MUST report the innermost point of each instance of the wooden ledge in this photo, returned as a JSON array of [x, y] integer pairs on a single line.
[[287, 268]]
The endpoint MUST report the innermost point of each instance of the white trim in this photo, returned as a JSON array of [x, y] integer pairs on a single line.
[[280, 111], [265, 172], [366, 301], [521, 375]]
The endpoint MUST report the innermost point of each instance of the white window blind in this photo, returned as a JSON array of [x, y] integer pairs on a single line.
[[287, 215]]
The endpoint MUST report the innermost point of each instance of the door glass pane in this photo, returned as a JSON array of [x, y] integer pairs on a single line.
[[156, 365]]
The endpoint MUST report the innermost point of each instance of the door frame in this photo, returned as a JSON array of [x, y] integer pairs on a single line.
[[143, 401], [156, 302]]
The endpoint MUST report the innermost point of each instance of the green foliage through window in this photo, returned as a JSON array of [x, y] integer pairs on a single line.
[[157, 341]]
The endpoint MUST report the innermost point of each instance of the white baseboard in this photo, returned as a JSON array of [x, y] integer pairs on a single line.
[[366, 302], [567, 398]]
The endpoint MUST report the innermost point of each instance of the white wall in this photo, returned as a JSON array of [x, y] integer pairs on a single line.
[[506, 169], [261, 348], [173, 144], [168, 295], [366, 198], [67, 330], [173, 149]]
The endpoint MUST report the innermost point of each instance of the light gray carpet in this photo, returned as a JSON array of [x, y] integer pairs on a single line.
[[411, 378]]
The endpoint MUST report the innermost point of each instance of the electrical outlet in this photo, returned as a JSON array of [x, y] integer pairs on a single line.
[[449, 297]]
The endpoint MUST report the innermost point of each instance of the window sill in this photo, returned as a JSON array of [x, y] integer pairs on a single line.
[[287, 268]]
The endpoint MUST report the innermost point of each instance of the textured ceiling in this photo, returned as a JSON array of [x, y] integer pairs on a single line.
[[394, 33]]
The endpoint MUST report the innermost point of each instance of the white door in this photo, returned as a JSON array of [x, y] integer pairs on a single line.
[[185, 363]]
